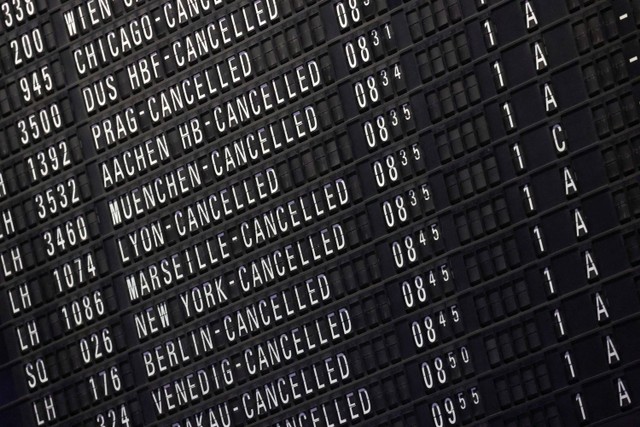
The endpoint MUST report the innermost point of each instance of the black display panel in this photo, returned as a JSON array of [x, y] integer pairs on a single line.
[[303, 213]]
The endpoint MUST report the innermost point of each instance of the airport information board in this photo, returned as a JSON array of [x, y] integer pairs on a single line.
[[303, 213]]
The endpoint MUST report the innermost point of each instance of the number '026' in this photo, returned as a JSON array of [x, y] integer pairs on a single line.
[[105, 383]]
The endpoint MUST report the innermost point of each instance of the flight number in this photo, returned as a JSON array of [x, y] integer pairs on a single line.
[[58, 198], [16, 12], [114, 417], [50, 161], [83, 310], [96, 346], [75, 273], [67, 236], [27, 46], [36, 84], [40, 124]]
